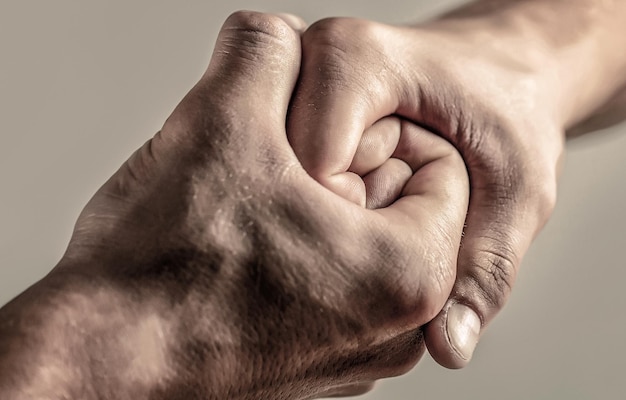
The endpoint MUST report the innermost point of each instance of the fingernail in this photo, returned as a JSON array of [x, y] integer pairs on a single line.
[[293, 21], [463, 327]]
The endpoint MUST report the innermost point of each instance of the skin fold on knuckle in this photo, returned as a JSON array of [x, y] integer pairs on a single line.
[[332, 32], [493, 276], [419, 284], [341, 51], [255, 37]]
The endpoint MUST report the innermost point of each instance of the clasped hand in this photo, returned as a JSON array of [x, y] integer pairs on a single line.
[[293, 230], [264, 274]]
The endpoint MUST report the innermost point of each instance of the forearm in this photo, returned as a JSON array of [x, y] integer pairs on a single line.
[[577, 44], [65, 338]]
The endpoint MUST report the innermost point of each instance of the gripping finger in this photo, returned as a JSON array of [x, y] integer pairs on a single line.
[[376, 146], [431, 211], [333, 105]]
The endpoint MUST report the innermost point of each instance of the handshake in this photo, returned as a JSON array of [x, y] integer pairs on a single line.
[[324, 204]]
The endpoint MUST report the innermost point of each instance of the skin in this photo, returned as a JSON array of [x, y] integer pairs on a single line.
[[503, 81], [212, 266]]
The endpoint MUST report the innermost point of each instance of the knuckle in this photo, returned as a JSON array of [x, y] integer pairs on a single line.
[[493, 272], [414, 286], [341, 36], [260, 24], [253, 32], [340, 52], [328, 31], [413, 305]]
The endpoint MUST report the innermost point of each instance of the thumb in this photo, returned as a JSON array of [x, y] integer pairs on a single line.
[[501, 222]]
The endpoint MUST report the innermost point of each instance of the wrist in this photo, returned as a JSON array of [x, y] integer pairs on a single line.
[[514, 74], [569, 46]]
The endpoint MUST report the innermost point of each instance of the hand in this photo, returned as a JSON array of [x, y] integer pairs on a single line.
[[212, 266], [500, 110]]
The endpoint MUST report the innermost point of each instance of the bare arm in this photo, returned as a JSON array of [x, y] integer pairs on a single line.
[[74, 336], [581, 42]]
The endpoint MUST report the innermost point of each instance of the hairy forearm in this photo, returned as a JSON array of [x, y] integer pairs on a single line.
[[578, 43]]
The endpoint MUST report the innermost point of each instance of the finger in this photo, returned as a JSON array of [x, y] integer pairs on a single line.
[[431, 210], [384, 185], [501, 222], [439, 175], [333, 105], [376, 146], [257, 56]]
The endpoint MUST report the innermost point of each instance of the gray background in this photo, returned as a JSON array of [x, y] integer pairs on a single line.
[[83, 83]]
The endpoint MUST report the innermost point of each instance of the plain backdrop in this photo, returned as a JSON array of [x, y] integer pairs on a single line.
[[83, 83]]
